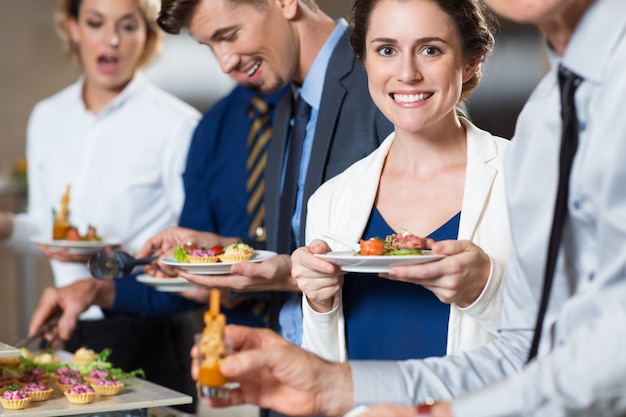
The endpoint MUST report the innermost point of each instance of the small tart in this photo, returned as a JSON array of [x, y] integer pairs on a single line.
[[237, 252], [14, 404], [203, 259], [108, 389], [40, 395], [10, 361], [83, 356], [84, 398]]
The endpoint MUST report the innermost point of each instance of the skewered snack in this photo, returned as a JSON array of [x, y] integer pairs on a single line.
[[211, 344], [61, 218], [63, 229]]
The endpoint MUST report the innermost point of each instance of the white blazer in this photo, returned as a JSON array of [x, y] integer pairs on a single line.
[[343, 205]]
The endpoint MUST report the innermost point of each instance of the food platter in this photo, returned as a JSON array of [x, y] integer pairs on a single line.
[[78, 247], [350, 262], [176, 284], [217, 268]]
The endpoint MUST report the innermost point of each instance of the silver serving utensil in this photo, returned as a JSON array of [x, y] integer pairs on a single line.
[[26, 341], [114, 264], [352, 245]]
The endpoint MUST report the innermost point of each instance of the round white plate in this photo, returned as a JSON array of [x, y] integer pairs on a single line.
[[218, 268], [350, 262], [79, 247], [166, 284]]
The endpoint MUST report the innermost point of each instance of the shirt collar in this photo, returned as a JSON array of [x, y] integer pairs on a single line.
[[133, 86], [588, 53], [313, 85]]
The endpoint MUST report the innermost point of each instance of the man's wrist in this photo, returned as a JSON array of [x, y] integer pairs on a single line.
[[104, 293]]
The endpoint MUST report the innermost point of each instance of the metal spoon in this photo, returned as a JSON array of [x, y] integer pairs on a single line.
[[115, 264]]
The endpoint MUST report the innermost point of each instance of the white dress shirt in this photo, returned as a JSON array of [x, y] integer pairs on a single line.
[[124, 166], [342, 206], [581, 366]]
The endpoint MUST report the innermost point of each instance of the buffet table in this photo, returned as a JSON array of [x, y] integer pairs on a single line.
[[138, 396]]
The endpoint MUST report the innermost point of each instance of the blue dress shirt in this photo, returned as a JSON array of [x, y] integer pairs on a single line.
[[290, 317]]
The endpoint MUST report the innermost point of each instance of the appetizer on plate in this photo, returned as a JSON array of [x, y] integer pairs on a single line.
[[398, 244], [62, 228], [237, 252], [191, 252], [197, 254]]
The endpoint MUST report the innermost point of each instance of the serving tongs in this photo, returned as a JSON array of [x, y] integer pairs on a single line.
[[43, 343], [115, 264]]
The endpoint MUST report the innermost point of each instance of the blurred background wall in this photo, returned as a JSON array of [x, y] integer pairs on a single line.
[[33, 67]]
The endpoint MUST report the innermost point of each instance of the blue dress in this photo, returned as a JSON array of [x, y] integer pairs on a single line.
[[394, 320]]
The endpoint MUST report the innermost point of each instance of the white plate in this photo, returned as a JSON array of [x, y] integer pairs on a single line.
[[166, 284], [79, 247], [218, 268], [375, 264]]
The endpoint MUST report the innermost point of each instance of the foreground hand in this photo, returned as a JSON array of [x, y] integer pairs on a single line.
[[458, 278], [273, 274], [318, 279], [276, 374], [388, 410], [70, 301]]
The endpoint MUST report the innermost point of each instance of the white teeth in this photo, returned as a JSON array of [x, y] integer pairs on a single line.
[[411, 98], [252, 70]]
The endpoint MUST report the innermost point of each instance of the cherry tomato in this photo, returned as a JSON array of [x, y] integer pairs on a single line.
[[372, 247], [218, 249]]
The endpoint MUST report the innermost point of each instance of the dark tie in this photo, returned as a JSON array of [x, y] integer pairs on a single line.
[[258, 139], [568, 83], [302, 112]]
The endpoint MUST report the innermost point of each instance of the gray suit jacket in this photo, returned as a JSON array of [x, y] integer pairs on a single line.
[[349, 127]]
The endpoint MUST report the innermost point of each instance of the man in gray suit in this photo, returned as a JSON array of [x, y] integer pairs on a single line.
[[264, 45]]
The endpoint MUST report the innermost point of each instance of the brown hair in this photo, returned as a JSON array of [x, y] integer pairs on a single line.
[[474, 24], [69, 9], [175, 14]]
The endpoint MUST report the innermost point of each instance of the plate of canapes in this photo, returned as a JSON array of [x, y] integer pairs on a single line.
[[215, 260]]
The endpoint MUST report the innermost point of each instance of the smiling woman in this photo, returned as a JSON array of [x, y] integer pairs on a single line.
[[76, 137], [437, 175]]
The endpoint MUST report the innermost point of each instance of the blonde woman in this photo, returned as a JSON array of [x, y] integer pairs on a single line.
[[121, 143]]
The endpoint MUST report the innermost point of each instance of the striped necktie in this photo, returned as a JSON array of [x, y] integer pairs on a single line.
[[258, 139]]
